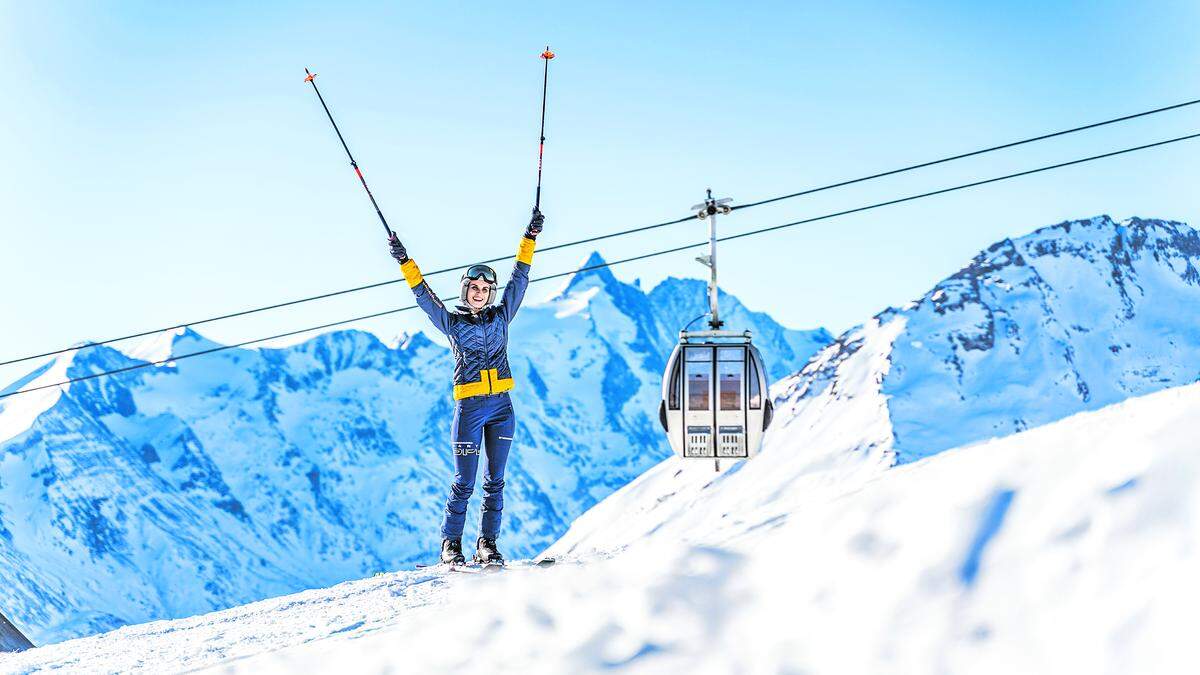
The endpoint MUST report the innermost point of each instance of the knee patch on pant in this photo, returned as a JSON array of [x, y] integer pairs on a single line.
[[461, 491]]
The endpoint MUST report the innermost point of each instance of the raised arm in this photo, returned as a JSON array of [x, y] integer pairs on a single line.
[[514, 292], [426, 299]]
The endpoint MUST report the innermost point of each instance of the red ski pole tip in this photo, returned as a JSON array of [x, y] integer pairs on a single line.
[[547, 55]]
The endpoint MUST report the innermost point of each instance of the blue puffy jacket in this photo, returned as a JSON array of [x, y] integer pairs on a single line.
[[480, 340]]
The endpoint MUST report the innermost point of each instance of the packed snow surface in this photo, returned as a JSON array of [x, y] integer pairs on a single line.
[[1066, 548]]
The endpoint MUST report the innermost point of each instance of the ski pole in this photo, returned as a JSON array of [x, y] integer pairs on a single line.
[[311, 78], [546, 56]]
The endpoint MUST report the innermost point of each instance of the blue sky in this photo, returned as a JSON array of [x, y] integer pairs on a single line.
[[165, 161]]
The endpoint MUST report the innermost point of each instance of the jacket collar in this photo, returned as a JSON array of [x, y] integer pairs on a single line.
[[465, 312]]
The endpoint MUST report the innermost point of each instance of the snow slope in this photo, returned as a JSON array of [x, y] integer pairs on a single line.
[[1066, 548], [251, 473]]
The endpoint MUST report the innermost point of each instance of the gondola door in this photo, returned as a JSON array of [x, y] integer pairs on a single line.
[[699, 402], [730, 413]]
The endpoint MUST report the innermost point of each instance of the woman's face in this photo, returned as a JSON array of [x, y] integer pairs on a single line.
[[477, 294]]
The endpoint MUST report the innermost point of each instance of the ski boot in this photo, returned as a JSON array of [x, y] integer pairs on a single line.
[[486, 552], [452, 552]]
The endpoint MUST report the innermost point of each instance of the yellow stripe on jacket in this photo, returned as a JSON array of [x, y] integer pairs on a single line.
[[489, 382], [412, 273], [525, 251]]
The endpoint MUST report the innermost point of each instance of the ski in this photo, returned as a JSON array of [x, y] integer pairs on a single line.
[[475, 567], [470, 564]]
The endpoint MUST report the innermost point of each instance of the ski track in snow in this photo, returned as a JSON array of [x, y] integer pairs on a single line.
[[1067, 548]]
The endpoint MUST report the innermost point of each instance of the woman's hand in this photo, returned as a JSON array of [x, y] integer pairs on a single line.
[[397, 249], [535, 224]]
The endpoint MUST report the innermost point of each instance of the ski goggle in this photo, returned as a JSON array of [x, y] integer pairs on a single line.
[[481, 272]]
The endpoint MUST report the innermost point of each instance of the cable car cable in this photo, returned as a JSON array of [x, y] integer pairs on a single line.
[[636, 258], [589, 240], [343, 322], [245, 343], [332, 294], [964, 155], [962, 187], [213, 350]]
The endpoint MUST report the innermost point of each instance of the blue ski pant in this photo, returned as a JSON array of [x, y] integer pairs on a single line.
[[481, 424]]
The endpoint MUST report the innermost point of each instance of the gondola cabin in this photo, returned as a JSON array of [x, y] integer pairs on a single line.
[[714, 396]]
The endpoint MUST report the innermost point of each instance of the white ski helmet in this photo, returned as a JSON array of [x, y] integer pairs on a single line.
[[475, 272]]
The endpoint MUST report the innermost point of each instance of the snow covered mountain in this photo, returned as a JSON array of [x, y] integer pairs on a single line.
[[1067, 319], [1071, 317], [1067, 548], [246, 474]]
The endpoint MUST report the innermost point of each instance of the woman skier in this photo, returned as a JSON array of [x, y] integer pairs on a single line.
[[478, 334]]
